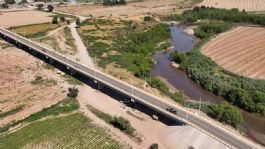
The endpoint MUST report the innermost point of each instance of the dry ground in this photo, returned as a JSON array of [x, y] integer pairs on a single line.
[[17, 71], [20, 18], [240, 50], [129, 10], [248, 5]]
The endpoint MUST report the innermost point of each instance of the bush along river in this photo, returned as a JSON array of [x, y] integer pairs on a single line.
[[253, 126]]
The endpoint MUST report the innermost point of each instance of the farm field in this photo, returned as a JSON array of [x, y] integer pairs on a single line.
[[240, 50], [248, 5], [26, 86], [69, 131], [20, 18], [129, 10]]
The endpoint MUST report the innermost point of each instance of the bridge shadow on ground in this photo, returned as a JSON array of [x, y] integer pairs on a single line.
[[98, 86]]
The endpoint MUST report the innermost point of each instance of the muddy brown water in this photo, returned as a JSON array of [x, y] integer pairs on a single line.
[[254, 125]]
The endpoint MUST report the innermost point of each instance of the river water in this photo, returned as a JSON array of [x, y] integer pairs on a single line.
[[253, 127]]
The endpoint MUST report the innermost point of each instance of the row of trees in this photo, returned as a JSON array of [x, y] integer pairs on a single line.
[[233, 15]]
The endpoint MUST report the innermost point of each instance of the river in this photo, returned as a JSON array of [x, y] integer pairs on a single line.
[[253, 127]]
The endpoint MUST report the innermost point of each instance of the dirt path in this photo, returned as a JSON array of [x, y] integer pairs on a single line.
[[138, 120], [82, 49]]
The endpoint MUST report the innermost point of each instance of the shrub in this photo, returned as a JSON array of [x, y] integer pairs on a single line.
[[10, 1], [40, 6], [4, 6], [178, 57], [62, 19], [148, 18], [154, 146], [55, 20], [72, 92], [50, 8], [228, 114], [122, 124]]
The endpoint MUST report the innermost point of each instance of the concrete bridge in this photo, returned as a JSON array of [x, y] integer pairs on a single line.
[[153, 102]]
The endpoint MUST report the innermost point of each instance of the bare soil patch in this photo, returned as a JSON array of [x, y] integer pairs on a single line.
[[131, 9], [248, 5], [240, 50], [19, 87], [20, 18]]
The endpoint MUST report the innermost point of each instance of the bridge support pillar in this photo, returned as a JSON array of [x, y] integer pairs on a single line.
[[72, 72], [34, 52], [51, 61], [100, 86]]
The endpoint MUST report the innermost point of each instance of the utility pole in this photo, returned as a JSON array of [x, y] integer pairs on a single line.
[[187, 115], [200, 106]]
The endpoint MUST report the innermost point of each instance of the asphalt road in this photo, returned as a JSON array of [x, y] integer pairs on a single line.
[[139, 95]]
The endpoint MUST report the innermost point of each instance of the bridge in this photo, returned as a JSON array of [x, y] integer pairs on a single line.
[[138, 95]]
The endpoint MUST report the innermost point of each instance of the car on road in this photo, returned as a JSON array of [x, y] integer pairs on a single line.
[[171, 110]]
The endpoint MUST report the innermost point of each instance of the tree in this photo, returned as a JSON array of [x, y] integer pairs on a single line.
[[50, 8], [55, 20], [228, 114], [72, 92], [10, 1], [4, 6], [40, 6]]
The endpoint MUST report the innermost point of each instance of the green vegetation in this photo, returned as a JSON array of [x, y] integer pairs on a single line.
[[43, 82], [34, 30], [70, 131], [178, 57], [114, 2], [54, 20], [118, 122], [206, 30], [228, 114], [134, 45], [66, 106], [71, 80], [206, 13], [50, 8], [72, 92], [154, 146], [233, 15], [243, 92], [11, 112], [69, 38], [48, 66]]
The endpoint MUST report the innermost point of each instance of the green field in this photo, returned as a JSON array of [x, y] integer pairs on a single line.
[[71, 131]]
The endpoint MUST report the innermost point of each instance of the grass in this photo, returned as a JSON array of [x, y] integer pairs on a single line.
[[43, 82], [118, 122], [66, 106], [69, 38], [134, 43], [71, 80], [48, 66], [35, 30], [70, 131], [11, 112]]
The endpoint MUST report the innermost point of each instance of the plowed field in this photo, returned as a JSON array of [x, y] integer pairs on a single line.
[[241, 51], [248, 5]]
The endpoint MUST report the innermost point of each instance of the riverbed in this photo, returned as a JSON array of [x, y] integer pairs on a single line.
[[254, 125]]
